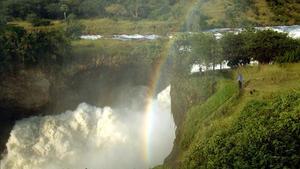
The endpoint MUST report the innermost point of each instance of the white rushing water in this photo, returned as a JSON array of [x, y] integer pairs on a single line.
[[123, 37], [135, 37], [93, 138], [90, 37], [293, 31]]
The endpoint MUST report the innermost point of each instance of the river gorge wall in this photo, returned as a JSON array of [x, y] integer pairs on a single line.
[[35, 92]]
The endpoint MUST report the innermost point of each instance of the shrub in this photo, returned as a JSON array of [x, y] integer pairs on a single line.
[[265, 135], [74, 29], [268, 45], [19, 48], [290, 56]]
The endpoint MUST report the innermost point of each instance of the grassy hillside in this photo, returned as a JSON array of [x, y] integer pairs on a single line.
[[168, 20], [193, 16], [216, 132], [111, 27], [240, 13]]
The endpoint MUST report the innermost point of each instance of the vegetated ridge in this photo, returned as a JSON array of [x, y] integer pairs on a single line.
[[255, 127]]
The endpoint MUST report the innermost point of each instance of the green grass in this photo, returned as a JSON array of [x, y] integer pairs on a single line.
[[55, 24], [223, 108], [106, 26], [109, 48], [264, 134], [197, 115], [112, 27], [268, 79], [87, 54]]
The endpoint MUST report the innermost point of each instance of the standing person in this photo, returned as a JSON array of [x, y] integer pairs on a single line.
[[240, 80]]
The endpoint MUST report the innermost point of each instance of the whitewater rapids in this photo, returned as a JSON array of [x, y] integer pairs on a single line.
[[93, 138]]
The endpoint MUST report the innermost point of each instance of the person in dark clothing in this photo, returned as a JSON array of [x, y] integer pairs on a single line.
[[240, 80]]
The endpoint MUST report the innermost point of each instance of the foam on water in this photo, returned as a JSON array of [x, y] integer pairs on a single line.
[[91, 137], [91, 37], [135, 37], [293, 31]]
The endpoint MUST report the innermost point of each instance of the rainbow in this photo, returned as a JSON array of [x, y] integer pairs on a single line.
[[156, 74], [153, 82]]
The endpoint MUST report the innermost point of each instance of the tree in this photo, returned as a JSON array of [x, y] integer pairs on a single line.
[[64, 8], [234, 49], [54, 11], [73, 28], [180, 53], [197, 21], [116, 10], [136, 7], [267, 45], [90, 8], [205, 49]]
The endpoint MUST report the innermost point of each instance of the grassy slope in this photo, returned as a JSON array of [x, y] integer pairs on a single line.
[[107, 26], [260, 13], [111, 27], [222, 108]]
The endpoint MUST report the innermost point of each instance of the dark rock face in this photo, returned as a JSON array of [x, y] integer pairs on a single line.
[[28, 90]]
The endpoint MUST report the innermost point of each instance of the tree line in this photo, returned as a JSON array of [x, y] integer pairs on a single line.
[[264, 46], [237, 13], [60, 9]]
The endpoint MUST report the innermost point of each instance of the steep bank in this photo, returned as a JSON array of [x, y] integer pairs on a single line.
[[208, 136]]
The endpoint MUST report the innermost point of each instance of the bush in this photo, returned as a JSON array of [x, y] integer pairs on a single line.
[[289, 57], [268, 45], [265, 135], [19, 48], [74, 29]]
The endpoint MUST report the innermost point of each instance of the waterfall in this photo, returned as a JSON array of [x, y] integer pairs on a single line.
[[93, 138]]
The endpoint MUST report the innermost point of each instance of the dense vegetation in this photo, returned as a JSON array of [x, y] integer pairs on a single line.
[[60, 9], [203, 14], [285, 10], [20, 48], [265, 135], [265, 46], [242, 13], [256, 127]]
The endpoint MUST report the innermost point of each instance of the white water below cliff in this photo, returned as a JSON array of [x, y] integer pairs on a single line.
[[93, 138]]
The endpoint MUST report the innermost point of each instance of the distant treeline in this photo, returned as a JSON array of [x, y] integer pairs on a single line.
[[265, 46], [241, 13], [60, 9]]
